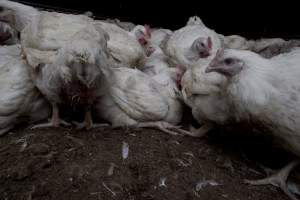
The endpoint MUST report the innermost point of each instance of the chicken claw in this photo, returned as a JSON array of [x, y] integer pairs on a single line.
[[164, 127], [200, 132], [5, 130], [278, 179], [55, 120], [88, 122], [51, 124]]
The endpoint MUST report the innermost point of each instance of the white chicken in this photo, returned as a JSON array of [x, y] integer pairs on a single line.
[[123, 45], [127, 26], [156, 61], [199, 90], [147, 36], [158, 67], [159, 37], [20, 100], [65, 52], [269, 47], [237, 42], [192, 47], [17, 15], [265, 91], [194, 43], [141, 32], [133, 98], [266, 47]]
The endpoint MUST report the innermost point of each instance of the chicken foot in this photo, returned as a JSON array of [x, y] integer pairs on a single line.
[[278, 179], [200, 132], [5, 130], [164, 127], [88, 122], [55, 120]]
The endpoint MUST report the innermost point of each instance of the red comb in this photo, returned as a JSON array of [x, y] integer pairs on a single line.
[[148, 30], [209, 42]]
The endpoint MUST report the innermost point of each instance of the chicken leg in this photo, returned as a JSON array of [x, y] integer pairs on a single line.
[[88, 121], [164, 127], [278, 179], [55, 120], [5, 130], [200, 132]]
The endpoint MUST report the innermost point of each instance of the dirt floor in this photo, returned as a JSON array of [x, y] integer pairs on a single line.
[[65, 163]]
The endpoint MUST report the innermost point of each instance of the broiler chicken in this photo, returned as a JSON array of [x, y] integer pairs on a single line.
[[123, 45], [267, 92], [159, 37], [65, 52], [143, 35], [14, 17], [158, 67], [20, 100], [270, 47], [192, 48], [237, 42], [147, 36], [17, 15], [199, 90], [127, 26], [133, 98], [194, 43], [156, 62], [266, 47]]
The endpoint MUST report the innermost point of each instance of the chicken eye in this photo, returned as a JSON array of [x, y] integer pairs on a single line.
[[228, 61], [202, 45], [1, 9]]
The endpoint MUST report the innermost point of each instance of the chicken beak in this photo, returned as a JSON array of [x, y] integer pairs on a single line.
[[210, 69], [204, 54], [213, 65]]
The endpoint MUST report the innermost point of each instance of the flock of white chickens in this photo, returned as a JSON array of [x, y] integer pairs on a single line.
[[143, 77]]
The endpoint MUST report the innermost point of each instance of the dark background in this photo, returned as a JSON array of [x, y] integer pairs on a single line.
[[247, 18]]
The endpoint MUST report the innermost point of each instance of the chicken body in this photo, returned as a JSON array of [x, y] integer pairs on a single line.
[[20, 100], [266, 47], [237, 42], [17, 15], [127, 26], [123, 45], [267, 92], [192, 48], [133, 98], [156, 62], [65, 53], [134, 93], [159, 37], [186, 45], [158, 68]]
